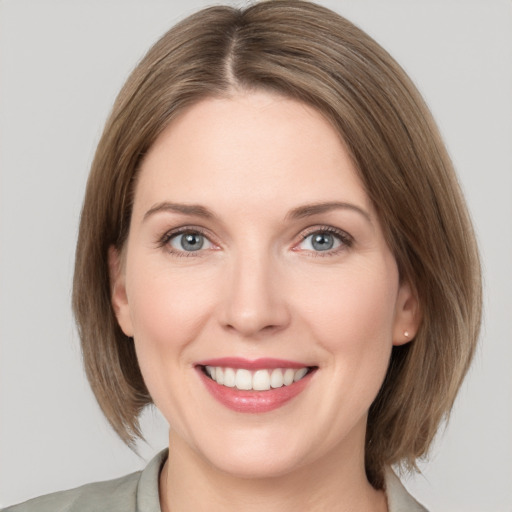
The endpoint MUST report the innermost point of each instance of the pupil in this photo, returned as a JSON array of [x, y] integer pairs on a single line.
[[192, 242], [322, 242]]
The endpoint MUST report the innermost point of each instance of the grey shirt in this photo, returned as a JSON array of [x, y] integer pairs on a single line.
[[138, 492]]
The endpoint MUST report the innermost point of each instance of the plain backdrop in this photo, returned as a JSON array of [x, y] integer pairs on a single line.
[[61, 65]]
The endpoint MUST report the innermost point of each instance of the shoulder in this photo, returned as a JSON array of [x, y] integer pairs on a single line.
[[134, 492], [112, 495], [399, 500]]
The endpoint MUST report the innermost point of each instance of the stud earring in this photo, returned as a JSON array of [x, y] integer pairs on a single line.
[[406, 334]]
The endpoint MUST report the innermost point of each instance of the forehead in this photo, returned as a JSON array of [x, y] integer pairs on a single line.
[[256, 148]]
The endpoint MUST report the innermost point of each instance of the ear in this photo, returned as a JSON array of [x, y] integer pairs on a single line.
[[407, 315], [118, 294]]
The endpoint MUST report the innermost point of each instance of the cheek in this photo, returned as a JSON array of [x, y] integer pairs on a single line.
[[165, 305], [353, 311], [166, 317], [352, 319], [169, 309]]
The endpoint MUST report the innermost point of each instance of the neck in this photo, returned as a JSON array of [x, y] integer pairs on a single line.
[[337, 482]]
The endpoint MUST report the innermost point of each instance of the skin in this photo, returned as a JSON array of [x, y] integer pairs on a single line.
[[259, 288]]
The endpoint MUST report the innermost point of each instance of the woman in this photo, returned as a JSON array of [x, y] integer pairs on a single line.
[[275, 251]]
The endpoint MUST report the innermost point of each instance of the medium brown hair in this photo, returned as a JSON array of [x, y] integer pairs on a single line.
[[306, 52]]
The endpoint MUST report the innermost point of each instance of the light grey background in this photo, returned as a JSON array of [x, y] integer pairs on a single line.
[[61, 65]]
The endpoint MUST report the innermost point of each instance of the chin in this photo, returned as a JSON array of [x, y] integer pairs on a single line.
[[248, 464], [254, 453]]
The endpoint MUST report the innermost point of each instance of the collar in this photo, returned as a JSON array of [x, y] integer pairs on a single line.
[[148, 500], [399, 500]]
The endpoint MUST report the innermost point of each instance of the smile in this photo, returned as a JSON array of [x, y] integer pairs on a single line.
[[259, 380], [254, 386]]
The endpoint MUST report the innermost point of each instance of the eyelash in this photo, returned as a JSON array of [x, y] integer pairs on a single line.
[[169, 235], [345, 239]]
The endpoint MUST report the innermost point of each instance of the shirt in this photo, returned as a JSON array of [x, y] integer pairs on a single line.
[[138, 492]]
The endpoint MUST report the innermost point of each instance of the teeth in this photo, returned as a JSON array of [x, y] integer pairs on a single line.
[[260, 380], [276, 378], [299, 374], [243, 379], [229, 378], [289, 374]]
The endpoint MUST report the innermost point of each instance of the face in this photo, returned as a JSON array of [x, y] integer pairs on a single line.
[[258, 287]]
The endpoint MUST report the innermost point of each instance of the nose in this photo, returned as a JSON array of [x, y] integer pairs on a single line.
[[254, 302]]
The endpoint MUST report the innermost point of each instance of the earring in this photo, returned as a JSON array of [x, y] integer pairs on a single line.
[[406, 334]]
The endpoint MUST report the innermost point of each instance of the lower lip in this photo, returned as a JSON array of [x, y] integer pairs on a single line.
[[254, 401]]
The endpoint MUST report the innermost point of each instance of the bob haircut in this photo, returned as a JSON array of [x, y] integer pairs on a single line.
[[306, 52]]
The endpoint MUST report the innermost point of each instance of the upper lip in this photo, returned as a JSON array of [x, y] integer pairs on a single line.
[[254, 364]]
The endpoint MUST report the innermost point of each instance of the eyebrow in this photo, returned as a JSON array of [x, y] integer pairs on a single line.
[[186, 209], [309, 210], [300, 212]]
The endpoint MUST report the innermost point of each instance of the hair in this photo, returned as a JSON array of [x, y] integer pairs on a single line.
[[306, 52]]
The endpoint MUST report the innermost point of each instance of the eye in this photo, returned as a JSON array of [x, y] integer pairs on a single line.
[[325, 240], [188, 241]]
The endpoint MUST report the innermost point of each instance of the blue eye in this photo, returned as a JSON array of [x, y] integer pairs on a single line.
[[324, 241], [189, 242]]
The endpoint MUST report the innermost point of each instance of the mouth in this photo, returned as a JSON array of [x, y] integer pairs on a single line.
[[254, 386], [259, 380]]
